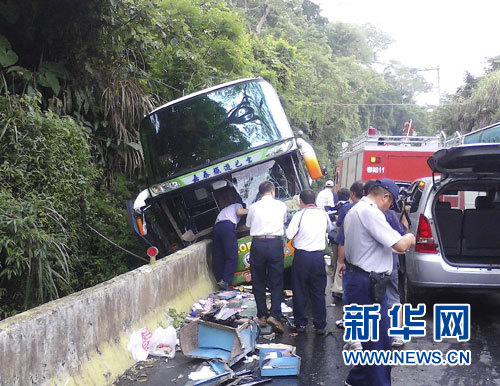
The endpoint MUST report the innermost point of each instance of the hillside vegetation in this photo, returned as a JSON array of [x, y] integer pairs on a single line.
[[76, 78]]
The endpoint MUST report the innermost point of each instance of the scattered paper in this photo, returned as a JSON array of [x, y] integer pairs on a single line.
[[204, 373]]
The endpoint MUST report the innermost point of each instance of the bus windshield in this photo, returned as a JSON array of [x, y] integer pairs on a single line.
[[201, 130]]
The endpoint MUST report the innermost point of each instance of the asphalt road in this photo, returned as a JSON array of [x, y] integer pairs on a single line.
[[322, 362]]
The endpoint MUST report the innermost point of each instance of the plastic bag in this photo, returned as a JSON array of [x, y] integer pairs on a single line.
[[163, 342], [138, 344]]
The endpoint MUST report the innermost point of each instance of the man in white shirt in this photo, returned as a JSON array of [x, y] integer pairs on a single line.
[[369, 241], [308, 230], [266, 219], [325, 197]]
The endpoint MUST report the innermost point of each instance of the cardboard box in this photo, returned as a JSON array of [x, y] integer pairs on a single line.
[[278, 361], [207, 340]]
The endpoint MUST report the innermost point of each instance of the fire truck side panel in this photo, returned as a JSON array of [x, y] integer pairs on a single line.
[[354, 169], [397, 165], [359, 167], [344, 172]]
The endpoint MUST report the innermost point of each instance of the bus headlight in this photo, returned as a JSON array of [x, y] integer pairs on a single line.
[[164, 187], [278, 149]]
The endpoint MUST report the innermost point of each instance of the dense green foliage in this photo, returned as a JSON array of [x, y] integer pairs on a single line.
[[76, 78], [48, 196], [476, 104], [46, 178]]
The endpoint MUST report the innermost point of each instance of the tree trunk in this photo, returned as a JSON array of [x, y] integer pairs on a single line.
[[267, 9]]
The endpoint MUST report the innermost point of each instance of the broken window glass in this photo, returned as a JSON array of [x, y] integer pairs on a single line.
[[280, 172]]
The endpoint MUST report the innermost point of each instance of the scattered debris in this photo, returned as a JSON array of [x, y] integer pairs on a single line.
[[258, 382], [278, 360], [270, 336], [226, 295], [221, 329], [208, 340], [204, 373]]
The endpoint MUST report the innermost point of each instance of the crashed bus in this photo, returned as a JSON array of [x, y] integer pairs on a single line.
[[233, 136]]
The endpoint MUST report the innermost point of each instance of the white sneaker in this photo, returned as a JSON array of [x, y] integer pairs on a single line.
[[353, 346], [397, 342], [340, 323]]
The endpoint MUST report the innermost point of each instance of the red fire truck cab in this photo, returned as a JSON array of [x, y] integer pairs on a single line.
[[374, 156]]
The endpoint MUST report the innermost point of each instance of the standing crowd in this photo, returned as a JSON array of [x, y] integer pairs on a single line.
[[365, 233]]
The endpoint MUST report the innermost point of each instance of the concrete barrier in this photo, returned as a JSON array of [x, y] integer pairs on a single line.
[[82, 339]]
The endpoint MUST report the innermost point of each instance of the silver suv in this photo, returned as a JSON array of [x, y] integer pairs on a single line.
[[456, 220]]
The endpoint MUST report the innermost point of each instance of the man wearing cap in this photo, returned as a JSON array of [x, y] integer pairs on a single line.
[[325, 198], [369, 241], [266, 220]]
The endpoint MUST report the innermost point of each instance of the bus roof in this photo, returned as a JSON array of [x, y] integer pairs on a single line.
[[201, 92]]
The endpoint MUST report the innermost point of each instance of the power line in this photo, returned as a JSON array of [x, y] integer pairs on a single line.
[[357, 104], [375, 104]]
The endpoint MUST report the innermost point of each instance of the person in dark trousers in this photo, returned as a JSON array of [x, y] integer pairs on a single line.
[[400, 225], [356, 193], [369, 241], [343, 199], [307, 230], [225, 241], [266, 219]]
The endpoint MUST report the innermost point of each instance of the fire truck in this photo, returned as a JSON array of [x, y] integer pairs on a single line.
[[373, 156]]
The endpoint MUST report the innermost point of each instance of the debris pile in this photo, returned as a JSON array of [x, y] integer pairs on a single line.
[[222, 331]]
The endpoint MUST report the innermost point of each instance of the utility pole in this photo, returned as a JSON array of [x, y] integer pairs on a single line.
[[438, 80]]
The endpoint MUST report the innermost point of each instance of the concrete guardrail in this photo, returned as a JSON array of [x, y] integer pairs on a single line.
[[82, 339]]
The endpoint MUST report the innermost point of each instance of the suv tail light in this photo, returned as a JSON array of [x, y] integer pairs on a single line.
[[424, 240]]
